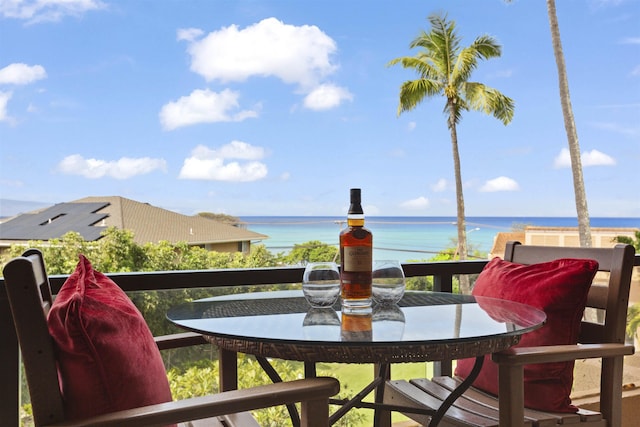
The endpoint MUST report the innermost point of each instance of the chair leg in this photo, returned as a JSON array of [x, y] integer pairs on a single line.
[[315, 413], [511, 395], [611, 389]]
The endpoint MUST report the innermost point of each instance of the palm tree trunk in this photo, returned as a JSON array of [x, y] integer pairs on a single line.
[[465, 288], [584, 228]]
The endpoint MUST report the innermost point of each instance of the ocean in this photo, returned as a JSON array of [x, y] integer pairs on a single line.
[[406, 238]]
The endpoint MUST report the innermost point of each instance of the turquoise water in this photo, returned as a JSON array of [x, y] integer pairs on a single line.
[[406, 238]]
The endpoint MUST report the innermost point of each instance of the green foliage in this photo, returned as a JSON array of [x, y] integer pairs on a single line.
[[635, 242], [448, 254], [116, 251], [26, 415], [519, 226], [198, 379], [220, 217], [201, 378], [633, 320], [311, 251]]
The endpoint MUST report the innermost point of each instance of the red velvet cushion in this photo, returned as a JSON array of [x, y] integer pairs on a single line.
[[107, 357], [560, 289]]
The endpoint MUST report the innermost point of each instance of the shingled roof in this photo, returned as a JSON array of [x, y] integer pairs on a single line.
[[92, 215]]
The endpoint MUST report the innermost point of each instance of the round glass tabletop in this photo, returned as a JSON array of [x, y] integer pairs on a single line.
[[422, 326]]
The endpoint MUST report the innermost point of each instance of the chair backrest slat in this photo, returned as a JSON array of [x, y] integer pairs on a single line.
[[612, 297], [29, 295], [598, 296]]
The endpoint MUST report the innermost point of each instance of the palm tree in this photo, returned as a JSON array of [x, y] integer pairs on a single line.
[[584, 227], [444, 69]]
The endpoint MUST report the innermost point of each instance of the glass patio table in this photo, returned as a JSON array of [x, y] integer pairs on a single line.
[[422, 327]]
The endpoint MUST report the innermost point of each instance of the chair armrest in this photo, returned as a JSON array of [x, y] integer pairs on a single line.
[[559, 353], [184, 339], [215, 405]]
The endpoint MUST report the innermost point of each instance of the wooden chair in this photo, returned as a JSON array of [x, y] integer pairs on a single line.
[[597, 340], [30, 299]]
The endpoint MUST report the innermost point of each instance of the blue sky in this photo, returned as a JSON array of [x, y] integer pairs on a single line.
[[279, 107]]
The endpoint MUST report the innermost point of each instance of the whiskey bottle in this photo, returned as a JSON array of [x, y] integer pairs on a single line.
[[356, 249]]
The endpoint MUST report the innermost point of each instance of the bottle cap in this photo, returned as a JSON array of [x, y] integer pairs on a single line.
[[355, 207]]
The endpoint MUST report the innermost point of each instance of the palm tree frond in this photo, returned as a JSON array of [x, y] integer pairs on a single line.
[[412, 92], [465, 63], [487, 47], [445, 42], [423, 65], [490, 101]]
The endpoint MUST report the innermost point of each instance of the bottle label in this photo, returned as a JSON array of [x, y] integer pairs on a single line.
[[358, 258]]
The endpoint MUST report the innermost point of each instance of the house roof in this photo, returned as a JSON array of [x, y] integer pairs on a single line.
[[501, 239], [92, 215], [55, 221]]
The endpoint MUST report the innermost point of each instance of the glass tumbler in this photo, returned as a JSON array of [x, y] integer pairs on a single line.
[[321, 283], [388, 281]]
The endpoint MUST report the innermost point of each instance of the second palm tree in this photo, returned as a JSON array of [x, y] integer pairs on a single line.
[[444, 69]]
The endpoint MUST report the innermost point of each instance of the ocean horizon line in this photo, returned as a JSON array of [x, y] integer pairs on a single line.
[[409, 237]]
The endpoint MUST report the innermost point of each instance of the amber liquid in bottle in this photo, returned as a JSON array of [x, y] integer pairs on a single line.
[[356, 249], [356, 327]]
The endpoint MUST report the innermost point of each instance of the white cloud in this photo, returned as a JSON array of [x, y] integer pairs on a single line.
[[295, 54], [635, 71], [371, 210], [208, 164], [34, 11], [4, 100], [590, 158], [189, 34], [562, 160], [615, 127], [203, 106], [237, 150], [123, 168], [597, 158], [501, 183], [285, 176], [439, 186], [418, 203], [326, 96], [411, 126], [506, 73], [397, 152], [21, 74], [630, 40], [12, 183]]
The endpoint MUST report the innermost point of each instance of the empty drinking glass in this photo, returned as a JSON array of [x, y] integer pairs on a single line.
[[321, 323], [321, 283], [388, 322], [388, 281]]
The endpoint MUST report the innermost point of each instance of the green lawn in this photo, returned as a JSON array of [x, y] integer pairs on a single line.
[[354, 378]]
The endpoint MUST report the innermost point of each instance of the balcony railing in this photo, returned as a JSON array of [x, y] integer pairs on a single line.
[[442, 273]]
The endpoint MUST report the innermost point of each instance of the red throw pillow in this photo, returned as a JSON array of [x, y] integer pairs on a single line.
[[107, 358], [560, 289]]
